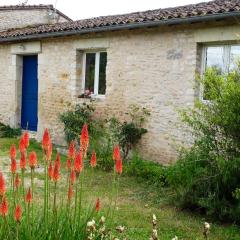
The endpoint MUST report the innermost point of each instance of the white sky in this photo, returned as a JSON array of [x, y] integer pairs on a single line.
[[80, 9]]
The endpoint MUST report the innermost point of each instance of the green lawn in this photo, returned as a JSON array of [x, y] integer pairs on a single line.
[[135, 205]]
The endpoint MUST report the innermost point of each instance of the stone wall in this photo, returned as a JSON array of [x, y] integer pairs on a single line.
[[23, 18], [152, 68]]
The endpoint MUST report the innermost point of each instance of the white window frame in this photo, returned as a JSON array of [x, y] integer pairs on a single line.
[[226, 62], [96, 76]]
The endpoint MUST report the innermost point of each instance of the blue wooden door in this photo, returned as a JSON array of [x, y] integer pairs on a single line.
[[29, 115]]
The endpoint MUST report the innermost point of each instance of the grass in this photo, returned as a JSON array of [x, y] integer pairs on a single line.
[[135, 206]]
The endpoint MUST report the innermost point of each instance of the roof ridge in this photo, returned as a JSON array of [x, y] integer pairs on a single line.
[[34, 6], [205, 11]]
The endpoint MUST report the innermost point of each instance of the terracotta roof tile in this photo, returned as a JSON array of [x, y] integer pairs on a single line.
[[182, 12]]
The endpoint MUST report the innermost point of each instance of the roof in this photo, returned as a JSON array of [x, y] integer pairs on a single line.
[[33, 7], [206, 11]]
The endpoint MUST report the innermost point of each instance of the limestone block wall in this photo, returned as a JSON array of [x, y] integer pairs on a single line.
[[23, 18], [155, 69]]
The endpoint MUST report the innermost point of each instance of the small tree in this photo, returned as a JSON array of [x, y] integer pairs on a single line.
[[207, 175]]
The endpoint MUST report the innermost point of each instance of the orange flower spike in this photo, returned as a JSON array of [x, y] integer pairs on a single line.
[[29, 196], [17, 181], [56, 173], [70, 193], [18, 213], [78, 163], [26, 139], [13, 151], [84, 139], [93, 161], [49, 152], [50, 171], [69, 163], [116, 153], [58, 161], [13, 166], [23, 161], [22, 144], [71, 150], [4, 207], [32, 161], [2, 185], [98, 205], [119, 166], [72, 177], [46, 140]]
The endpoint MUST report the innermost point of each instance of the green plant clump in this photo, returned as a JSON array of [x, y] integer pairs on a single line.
[[207, 176], [8, 132]]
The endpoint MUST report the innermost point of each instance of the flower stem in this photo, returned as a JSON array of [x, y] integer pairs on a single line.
[[76, 197]]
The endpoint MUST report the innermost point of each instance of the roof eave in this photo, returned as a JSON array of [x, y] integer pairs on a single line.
[[175, 21]]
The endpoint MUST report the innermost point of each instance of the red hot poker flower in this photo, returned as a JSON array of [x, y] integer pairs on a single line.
[[46, 140], [97, 207], [2, 185], [50, 171], [22, 144], [4, 207], [116, 153], [23, 161], [78, 163], [17, 181], [119, 166], [58, 161], [13, 151], [84, 139], [13, 166], [49, 152], [56, 173], [93, 161], [69, 163], [18, 213], [32, 160], [72, 177], [29, 196], [71, 150], [26, 139], [70, 193]]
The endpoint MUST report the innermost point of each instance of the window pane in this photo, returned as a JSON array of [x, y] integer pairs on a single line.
[[102, 73], [234, 57], [90, 72], [215, 59]]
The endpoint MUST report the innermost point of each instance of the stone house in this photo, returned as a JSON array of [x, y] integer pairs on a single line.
[[147, 58]]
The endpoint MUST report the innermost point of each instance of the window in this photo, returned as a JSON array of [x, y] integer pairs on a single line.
[[223, 58], [95, 73]]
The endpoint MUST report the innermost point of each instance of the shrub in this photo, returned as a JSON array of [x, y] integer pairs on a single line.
[[207, 175], [105, 133], [8, 132], [150, 172]]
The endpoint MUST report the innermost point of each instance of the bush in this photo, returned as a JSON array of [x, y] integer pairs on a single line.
[[105, 133], [150, 172], [8, 132], [207, 175]]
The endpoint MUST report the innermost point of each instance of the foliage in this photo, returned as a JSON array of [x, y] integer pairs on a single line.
[[6, 131], [74, 120], [105, 133], [151, 172], [207, 175], [128, 134]]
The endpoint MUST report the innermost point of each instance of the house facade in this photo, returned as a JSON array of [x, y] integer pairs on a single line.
[[146, 58]]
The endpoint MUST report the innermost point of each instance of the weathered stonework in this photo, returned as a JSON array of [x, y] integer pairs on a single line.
[[152, 68], [23, 18]]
